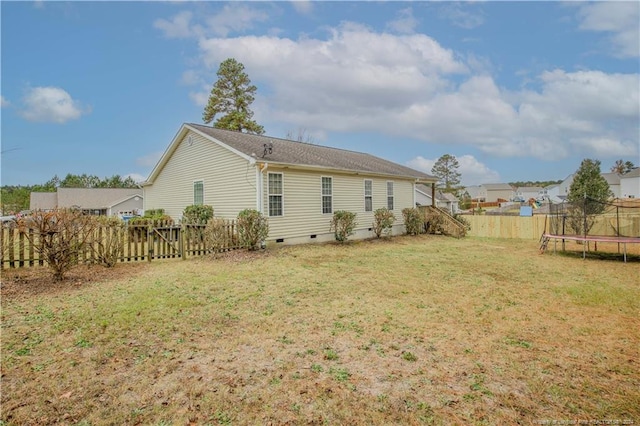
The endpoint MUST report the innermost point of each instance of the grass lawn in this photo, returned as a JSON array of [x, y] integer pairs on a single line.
[[416, 330]]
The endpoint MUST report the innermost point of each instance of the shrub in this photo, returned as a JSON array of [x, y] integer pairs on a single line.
[[197, 214], [153, 213], [463, 221], [383, 222], [413, 220], [253, 228], [343, 223], [58, 236], [217, 236], [435, 224]]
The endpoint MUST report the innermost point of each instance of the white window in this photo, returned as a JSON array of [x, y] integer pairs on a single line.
[[368, 195], [198, 193], [327, 195], [390, 195], [275, 194]]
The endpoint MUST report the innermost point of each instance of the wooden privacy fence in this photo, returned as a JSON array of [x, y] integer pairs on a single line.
[[532, 227], [129, 243]]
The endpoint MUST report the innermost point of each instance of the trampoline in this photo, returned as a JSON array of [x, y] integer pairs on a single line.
[[587, 238]]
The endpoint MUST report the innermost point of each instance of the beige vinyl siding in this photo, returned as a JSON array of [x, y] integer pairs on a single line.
[[303, 201], [229, 181]]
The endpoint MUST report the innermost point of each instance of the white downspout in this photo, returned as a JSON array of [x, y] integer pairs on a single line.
[[262, 167]]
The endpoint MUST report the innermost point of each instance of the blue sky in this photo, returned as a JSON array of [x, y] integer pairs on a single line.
[[515, 90]]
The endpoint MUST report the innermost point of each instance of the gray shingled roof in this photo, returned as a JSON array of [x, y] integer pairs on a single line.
[[497, 186], [631, 174], [304, 154]]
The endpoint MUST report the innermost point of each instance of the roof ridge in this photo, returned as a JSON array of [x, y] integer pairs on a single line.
[[286, 140]]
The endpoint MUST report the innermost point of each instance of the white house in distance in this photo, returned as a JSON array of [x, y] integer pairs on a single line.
[[444, 200], [490, 192], [630, 184], [297, 185], [525, 193], [95, 201], [559, 193]]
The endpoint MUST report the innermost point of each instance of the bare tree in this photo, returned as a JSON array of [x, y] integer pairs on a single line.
[[58, 237], [302, 135]]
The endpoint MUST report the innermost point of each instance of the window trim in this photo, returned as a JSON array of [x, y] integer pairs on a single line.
[[322, 194], [201, 182], [281, 195], [370, 196], [390, 196]]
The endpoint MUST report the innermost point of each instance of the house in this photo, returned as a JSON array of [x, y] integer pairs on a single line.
[[297, 185], [444, 200], [95, 201], [560, 194], [630, 184], [613, 179], [495, 192], [476, 192], [552, 192], [525, 193]]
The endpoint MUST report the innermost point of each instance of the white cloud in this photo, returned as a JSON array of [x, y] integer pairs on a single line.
[[51, 104], [137, 178], [405, 23], [233, 17], [472, 171], [199, 98], [410, 86], [620, 19], [461, 17], [179, 26], [303, 7], [4, 102]]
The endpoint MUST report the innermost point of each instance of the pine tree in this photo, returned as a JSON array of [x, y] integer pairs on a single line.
[[231, 95], [446, 170]]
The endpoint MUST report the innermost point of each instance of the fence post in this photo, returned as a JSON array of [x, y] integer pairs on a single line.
[[149, 243], [181, 244]]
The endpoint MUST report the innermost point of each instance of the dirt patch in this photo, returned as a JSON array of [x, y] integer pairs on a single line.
[[17, 284]]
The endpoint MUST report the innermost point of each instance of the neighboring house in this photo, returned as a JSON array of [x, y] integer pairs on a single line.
[[630, 184], [494, 192], [476, 192], [95, 201], [560, 194], [551, 193], [613, 179], [297, 185], [444, 200], [525, 193]]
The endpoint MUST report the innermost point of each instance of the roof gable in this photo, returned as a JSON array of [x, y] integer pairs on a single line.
[[611, 178]]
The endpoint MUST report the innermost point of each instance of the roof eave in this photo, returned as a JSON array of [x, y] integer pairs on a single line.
[[417, 179]]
